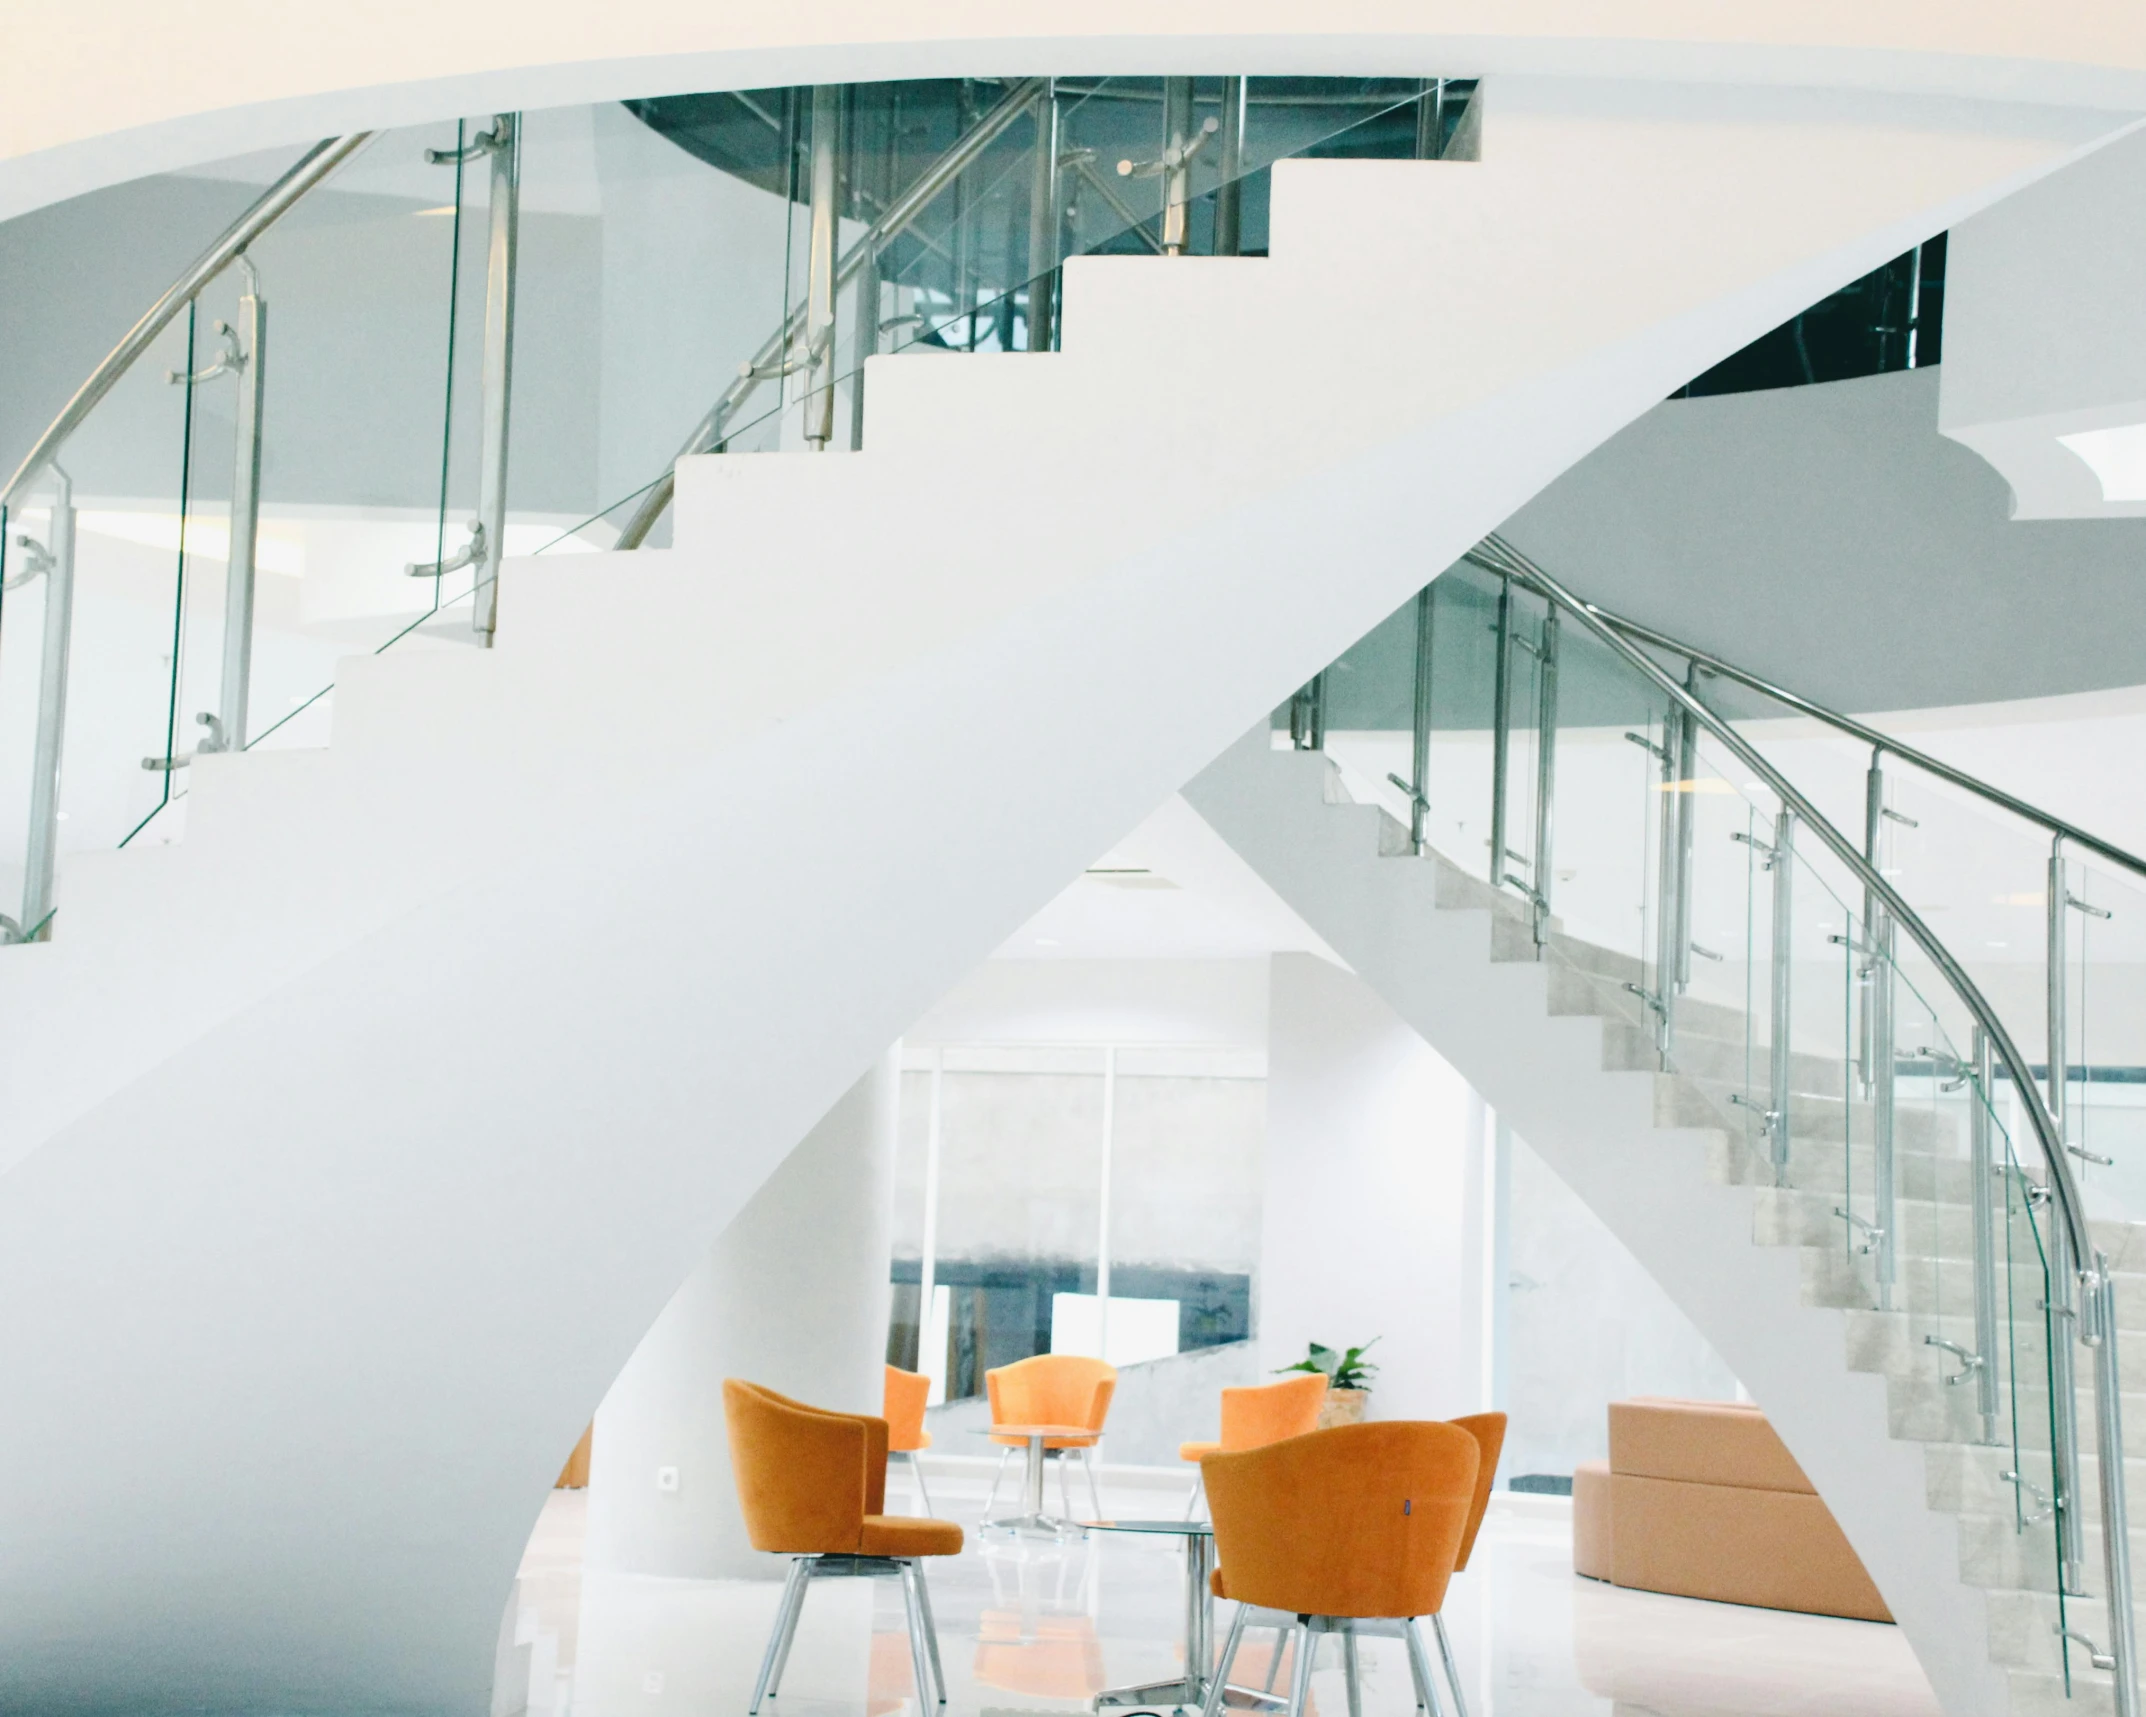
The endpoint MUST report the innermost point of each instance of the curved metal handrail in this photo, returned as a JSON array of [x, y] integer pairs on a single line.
[[708, 433], [1871, 736], [272, 205], [1494, 554]]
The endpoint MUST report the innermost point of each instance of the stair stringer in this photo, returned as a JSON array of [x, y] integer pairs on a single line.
[[1654, 1186]]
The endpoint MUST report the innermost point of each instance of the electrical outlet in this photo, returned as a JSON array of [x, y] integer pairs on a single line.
[[652, 1682], [667, 1478]]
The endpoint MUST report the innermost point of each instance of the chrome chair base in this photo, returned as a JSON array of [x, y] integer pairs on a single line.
[[916, 1601], [1305, 1630]]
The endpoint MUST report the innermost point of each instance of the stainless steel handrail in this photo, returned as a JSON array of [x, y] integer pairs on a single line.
[[1496, 555], [2075, 1241], [273, 204], [927, 185], [1712, 664]]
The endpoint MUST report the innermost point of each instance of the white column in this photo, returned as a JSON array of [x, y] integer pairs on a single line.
[[1373, 1220], [795, 1296]]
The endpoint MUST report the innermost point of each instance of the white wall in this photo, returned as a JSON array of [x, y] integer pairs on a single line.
[[2042, 334], [1374, 1192], [137, 92], [1218, 1003], [794, 1296], [1586, 1325]]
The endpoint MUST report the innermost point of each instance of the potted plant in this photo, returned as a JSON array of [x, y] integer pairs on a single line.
[[1348, 1381]]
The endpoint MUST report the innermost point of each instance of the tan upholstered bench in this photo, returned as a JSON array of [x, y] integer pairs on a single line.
[[1702, 1499]]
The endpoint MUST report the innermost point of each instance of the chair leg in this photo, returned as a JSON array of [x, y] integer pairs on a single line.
[[916, 1471], [1095, 1496], [997, 1478], [1220, 1685], [1300, 1682], [778, 1642], [1065, 1497], [1419, 1664], [1352, 1673], [931, 1629], [919, 1656], [1199, 1489], [1282, 1635], [1445, 1650]]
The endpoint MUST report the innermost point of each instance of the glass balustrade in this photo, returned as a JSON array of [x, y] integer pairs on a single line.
[[727, 260], [1644, 847]]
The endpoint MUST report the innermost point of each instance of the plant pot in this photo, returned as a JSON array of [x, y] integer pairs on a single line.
[[1343, 1407]]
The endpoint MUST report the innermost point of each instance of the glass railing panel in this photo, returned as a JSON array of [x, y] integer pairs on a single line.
[[141, 494], [2104, 970], [1463, 684]]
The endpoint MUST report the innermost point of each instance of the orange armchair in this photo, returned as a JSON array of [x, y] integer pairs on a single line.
[[1254, 1417], [907, 1394], [1356, 1523], [812, 1486], [1052, 1389]]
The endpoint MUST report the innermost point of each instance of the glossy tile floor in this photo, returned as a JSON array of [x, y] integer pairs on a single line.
[[1029, 1625]]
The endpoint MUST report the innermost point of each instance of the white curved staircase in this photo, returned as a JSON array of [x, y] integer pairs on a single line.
[[352, 1144]]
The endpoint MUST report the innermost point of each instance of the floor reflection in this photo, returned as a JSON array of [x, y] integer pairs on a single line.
[[1029, 1625]]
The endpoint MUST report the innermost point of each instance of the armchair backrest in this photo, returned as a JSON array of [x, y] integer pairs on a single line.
[[1488, 1430], [806, 1477], [1052, 1389], [1255, 1417], [907, 1395], [1358, 1520]]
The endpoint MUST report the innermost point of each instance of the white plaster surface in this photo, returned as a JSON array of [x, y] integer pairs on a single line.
[[793, 1297], [122, 93], [1372, 1220]]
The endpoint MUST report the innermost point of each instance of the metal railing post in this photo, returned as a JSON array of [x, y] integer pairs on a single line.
[[505, 148], [820, 268], [1178, 144], [235, 692], [1687, 821], [1043, 223], [1668, 868], [1781, 994], [2057, 1077], [1419, 805], [1229, 194], [1879, 1074], [1307, 716], [2062, 1317], [1545, 778], [1431, 121], [2115, 1509], [1982, 1172], [1500, 730], [2064, 1307], [41, 869]]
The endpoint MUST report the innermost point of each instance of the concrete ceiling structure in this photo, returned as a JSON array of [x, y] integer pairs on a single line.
[[1833, 540]]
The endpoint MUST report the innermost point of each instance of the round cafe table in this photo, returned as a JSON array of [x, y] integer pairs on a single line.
[[1189, 1691], [1033, 1519]]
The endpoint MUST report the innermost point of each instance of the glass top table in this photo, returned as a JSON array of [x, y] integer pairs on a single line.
[[1189, 1691]]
